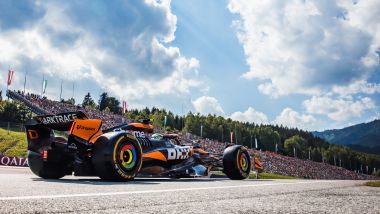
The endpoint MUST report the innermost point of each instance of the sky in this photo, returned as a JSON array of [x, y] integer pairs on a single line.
[[310, 64]]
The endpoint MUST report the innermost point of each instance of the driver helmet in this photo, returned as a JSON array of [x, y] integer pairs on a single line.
[[157, 136]]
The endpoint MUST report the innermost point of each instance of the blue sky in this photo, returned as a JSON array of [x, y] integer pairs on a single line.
[[308, 64]]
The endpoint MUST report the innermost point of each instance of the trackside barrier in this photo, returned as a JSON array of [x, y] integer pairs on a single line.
[[13, 161]]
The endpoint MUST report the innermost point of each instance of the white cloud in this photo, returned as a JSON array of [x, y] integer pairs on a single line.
[[251, 116], [360, 86], [290, 118], [310, 46], [339, 109], [121, 47], [207, 105]]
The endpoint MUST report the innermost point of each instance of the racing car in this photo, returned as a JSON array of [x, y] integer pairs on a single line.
[[122, 152]]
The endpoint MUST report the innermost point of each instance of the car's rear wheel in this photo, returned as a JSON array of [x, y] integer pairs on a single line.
[[45, 169], [236, 162], [117, 159]]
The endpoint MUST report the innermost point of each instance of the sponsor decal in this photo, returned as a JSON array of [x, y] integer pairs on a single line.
[[33, 134], [72, 146], [139, 134], [59, 119], [178, 153], [13, 161], [79, 127]]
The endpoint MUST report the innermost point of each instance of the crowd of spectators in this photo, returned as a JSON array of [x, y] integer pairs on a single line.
[[284, 165], [272, 162], [55, 107], [209, 145]]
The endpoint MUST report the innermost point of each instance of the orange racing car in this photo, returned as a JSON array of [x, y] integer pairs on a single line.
[[122, 152]]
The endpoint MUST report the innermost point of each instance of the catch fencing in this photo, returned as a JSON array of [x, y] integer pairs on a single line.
[[11, 126]]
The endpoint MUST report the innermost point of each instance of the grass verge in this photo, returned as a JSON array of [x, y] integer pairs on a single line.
[[13, 143], [373, 183], [262, 175], [265, 175]]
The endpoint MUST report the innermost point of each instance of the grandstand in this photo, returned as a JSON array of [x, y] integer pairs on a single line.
[[19, 97], [284, 165], [272, 162], [42, 105]]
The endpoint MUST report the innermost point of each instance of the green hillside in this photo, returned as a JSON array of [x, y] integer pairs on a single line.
[[13, 143], [362, 137], [364, 134]]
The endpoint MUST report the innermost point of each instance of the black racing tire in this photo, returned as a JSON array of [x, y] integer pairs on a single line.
[[236, 162], [117, 159], [46, 170]]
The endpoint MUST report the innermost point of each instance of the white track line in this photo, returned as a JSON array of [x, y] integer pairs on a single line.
[[14, 167], [151, 191]]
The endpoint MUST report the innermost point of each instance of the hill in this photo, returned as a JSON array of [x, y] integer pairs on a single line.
[[13, 143], [362, 137]]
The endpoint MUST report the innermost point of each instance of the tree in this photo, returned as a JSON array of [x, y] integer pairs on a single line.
[[268, 138], [295, 142], [68, 101], [113, 104], [71, 101], [103, 101], [107, 110], [9, 111], [88, 101]]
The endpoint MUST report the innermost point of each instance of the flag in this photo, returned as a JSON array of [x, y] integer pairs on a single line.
[[10, 76], [44, 84], [232, 137], [124, 107]]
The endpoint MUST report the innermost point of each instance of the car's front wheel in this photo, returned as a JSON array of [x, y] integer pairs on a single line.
[[236, 162]]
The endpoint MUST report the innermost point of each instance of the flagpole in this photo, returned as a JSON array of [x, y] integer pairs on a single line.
[[182, 117], [222, 135], [236, 136], [73, 90], [256, 142], [25, 81], [9, 69], [201, 131], [251, 141], [165, 120], [60, 94], [42, 88]]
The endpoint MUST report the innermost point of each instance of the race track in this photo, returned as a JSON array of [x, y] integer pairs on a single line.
[[23, 192]]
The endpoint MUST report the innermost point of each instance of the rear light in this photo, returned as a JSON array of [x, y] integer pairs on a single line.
[[44, 155]]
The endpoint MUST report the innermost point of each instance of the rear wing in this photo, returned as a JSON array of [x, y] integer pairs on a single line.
[[60, 122]]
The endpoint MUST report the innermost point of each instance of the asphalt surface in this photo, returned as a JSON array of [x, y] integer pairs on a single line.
[[23, 192]]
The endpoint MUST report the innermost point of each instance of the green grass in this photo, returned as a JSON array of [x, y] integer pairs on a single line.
[[217, 173], [262, 175], [13, 143], [265, 175], [373, 183]]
